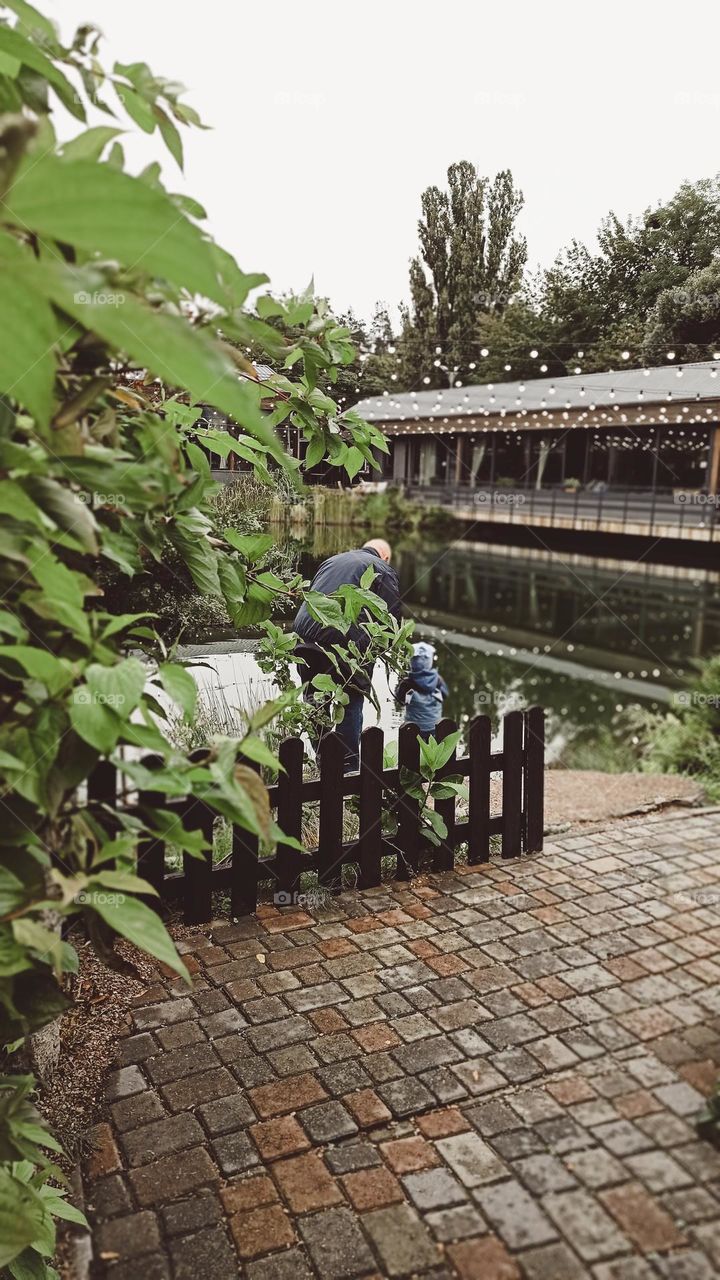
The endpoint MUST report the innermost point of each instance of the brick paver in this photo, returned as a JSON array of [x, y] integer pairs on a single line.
[[490, 1073]]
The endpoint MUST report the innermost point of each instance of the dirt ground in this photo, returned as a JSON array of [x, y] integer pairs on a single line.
[[579, 796]]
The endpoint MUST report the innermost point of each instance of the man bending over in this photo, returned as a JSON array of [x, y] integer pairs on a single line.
[[318, 639]]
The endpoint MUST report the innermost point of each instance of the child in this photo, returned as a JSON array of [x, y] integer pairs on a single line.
[[422, 690]]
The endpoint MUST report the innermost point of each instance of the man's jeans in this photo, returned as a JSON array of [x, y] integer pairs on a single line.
[[349, 728]]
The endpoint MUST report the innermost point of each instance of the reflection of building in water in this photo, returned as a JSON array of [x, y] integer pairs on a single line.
[[634, 611]]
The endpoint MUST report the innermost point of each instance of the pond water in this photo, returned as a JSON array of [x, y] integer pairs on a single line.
[[586, 639]]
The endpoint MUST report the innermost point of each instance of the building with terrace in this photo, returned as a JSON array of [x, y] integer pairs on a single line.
[[631, 451]]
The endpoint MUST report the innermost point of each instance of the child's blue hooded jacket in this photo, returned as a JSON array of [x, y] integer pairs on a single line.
[[422, 690]]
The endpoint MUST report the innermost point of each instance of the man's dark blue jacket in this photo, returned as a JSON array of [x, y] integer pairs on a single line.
[[347, 567]]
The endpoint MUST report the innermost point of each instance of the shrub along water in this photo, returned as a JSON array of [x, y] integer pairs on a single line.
[[687, 739]]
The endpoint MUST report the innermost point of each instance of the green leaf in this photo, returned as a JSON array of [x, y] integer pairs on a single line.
[[13, 957], [16, 46], [140, 925], [90, 144], [120, 621], [60, 1208], [168, 346], [252, 546], [170, 135], [32, 22], [119, 686], [255, 749], [324, 683], [354, 461], [11, 626], [45, 945], [326, 610], [200, 559], [27, 360], [137, 108], [180, 686], [270, 710], [30, 1266], [39, 664], [37, 999], [93, 721], [314, 453], [434, 755], [121, 848], [66, 510], [121, 882], [188, 205], [170, 827], [101, 210], [15, 502], [20, 1216]]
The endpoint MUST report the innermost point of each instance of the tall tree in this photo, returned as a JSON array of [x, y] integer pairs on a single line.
[[470, 263]]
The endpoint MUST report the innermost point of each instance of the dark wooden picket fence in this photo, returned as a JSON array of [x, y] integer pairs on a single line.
[[519, 825]]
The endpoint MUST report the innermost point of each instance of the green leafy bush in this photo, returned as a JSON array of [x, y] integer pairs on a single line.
[[686, 740], [121, 316]]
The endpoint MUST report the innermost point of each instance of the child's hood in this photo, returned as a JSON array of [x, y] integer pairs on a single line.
[[422, 672], [423, 657]]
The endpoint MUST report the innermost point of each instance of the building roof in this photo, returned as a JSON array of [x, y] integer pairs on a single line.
[[679, 384]]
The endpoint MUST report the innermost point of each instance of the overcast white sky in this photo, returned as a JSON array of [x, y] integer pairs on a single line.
[[329, 119]]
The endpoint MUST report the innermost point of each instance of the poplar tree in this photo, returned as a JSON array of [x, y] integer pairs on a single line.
[[470, 263]]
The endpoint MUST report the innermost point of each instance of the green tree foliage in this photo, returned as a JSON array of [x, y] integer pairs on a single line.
[[121, 316], [649, 287], [686, 319], [470, 264], [376, 367]]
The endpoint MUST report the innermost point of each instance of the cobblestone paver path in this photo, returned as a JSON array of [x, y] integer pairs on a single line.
[[491, 1074]]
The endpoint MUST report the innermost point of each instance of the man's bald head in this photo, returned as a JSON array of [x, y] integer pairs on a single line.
[[383, 548]]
